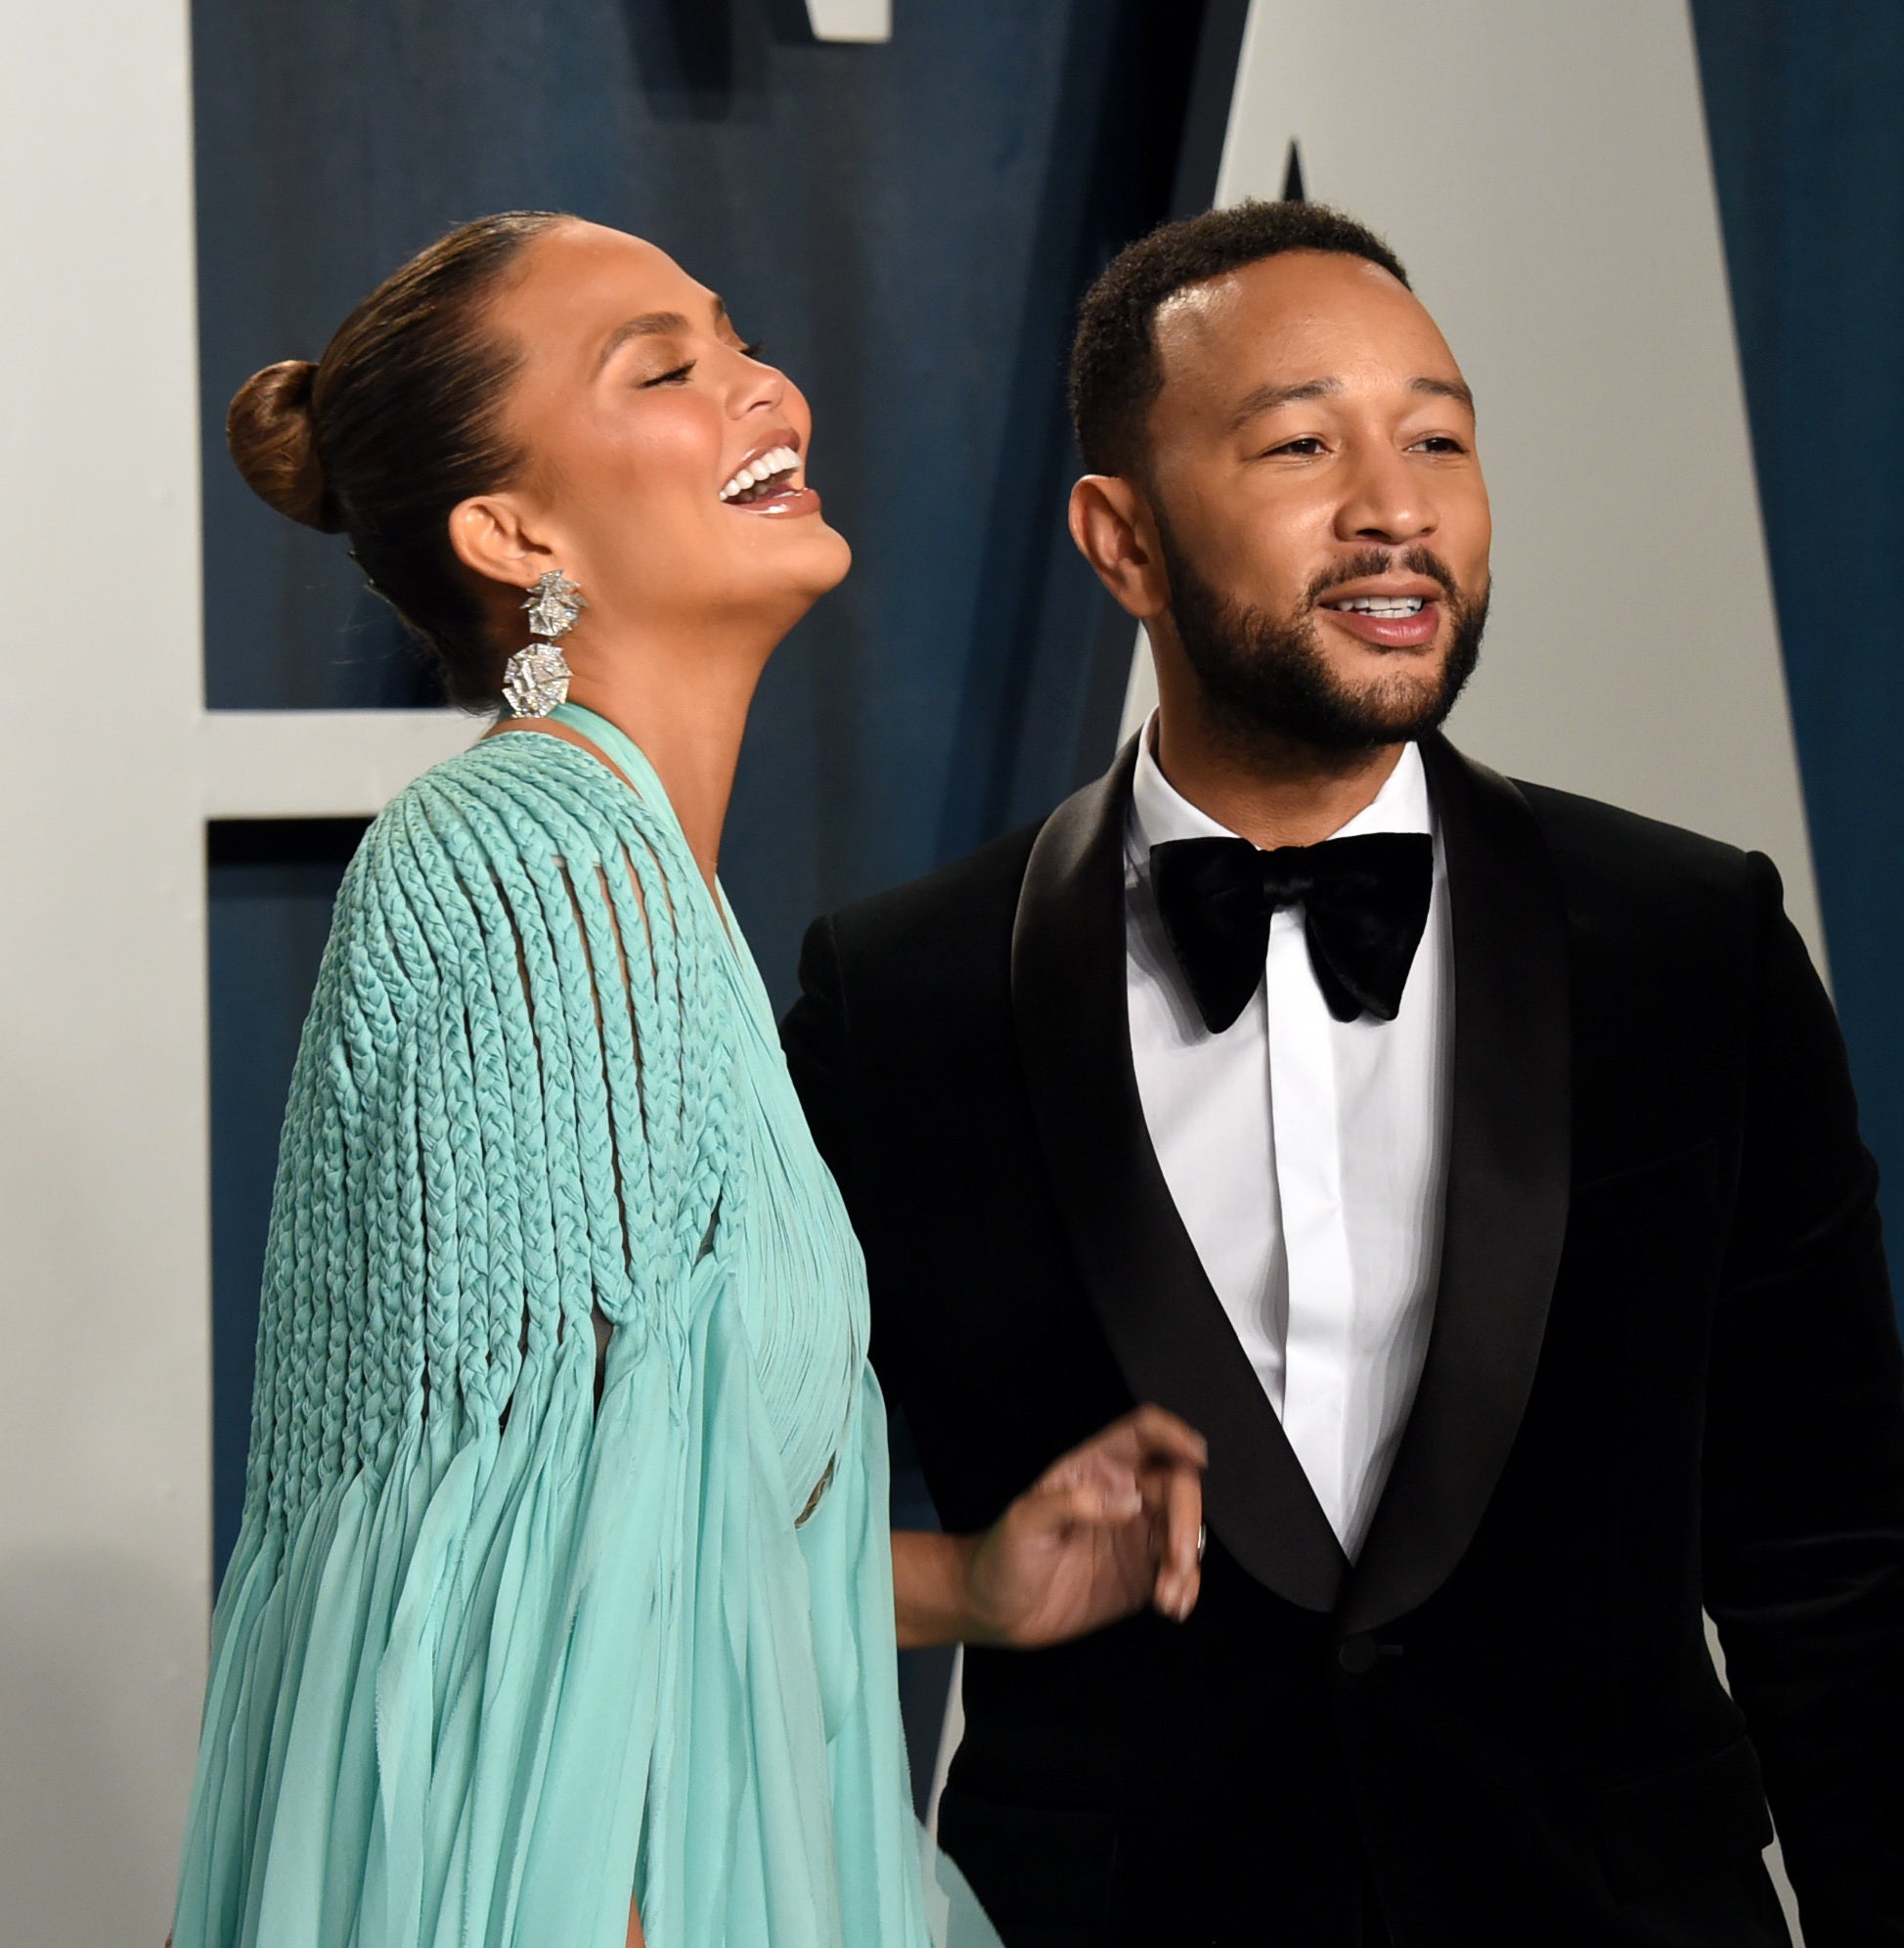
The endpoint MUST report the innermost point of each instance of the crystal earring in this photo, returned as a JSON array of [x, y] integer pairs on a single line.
[[536, 679]]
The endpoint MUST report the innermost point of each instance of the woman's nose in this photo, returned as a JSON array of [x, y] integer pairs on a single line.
[[758, 386]]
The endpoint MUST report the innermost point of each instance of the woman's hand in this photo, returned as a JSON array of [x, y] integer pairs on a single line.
[[1108, 1528]]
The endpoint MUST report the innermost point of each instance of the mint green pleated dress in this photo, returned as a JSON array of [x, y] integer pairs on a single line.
[[564, 1573]]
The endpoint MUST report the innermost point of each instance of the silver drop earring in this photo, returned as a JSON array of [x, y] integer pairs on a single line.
[[536, 679]]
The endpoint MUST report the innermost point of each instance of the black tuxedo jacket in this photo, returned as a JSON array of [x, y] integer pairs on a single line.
[[1663, 1372]]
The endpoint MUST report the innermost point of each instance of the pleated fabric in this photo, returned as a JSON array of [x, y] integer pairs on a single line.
[[563, 1329]]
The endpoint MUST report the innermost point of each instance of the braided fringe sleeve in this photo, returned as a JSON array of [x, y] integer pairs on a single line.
[[504, 1154]]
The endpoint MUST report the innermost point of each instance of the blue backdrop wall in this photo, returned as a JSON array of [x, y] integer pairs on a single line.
[[1808, 155]]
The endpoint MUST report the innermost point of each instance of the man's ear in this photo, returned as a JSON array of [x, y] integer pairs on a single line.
[[1111, 522], [491, 539]]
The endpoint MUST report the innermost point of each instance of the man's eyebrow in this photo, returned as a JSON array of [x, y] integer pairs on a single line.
[[650, 325], [1267, 398], [1444, 388]]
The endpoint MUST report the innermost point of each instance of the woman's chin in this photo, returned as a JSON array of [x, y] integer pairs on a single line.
[[820, 563], [843, 558]]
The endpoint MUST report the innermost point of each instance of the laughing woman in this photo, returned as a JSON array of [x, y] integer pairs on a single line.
[[564, 1578]]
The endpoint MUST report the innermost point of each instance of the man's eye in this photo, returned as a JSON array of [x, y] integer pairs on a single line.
[[756, 350], [1306, 445], [1441, 443], [673, 378]]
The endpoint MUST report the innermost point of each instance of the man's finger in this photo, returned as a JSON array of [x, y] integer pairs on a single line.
[[1147, 1435], [1155, 1433], [1088, 1467], [1180, 1577], [1095, 1504], [1185, 1519]]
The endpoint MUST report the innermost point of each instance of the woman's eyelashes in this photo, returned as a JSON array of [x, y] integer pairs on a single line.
[[677, 374]]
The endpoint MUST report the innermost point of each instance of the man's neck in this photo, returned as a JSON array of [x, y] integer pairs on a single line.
[[1276, 792]]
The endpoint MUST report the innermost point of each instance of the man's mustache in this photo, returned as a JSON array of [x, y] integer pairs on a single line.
[[1374, 562]]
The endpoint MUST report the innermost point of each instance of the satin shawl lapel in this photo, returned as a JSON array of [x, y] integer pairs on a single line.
[[1164, 1323], [1506, 1210]]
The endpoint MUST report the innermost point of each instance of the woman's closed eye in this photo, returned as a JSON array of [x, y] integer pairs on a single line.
[[679, 375]]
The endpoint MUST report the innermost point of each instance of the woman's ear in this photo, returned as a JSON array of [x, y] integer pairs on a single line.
[[490, 540], [1112, 525]]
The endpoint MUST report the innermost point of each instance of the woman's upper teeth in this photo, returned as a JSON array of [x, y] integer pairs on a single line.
[[780, 460], [1381, 605]]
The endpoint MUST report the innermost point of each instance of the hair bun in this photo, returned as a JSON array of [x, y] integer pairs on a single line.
[[273, 439]]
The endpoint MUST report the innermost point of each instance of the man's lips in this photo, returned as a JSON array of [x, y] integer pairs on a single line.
[[1386, 611], [1389, 631]]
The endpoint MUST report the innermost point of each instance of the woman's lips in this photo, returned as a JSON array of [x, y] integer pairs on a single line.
[[1391, 631], [781, 504]]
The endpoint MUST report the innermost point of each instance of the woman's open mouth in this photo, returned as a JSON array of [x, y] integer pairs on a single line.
[[770, 483]]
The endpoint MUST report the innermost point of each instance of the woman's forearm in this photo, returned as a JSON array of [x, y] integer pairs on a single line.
[[932, 1601]]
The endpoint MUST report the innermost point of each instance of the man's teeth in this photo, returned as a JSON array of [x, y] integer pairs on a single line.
[[781, 460], [1392, 606]]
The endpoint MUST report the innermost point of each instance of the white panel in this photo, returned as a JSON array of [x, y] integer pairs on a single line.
[[952, 1732], [1540, 166], [1140, 692], [851, 19], [322, 763], [105, 1517]]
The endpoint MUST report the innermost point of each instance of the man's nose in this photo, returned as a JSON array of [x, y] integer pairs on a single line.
[[1388, 499]]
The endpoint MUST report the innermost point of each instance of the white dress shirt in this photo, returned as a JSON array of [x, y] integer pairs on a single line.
[[1306, 1156]]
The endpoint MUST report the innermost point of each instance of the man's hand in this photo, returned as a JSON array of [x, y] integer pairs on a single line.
[[1109, 1526]]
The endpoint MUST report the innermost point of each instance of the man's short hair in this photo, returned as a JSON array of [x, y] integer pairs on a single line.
[[1114, 372]]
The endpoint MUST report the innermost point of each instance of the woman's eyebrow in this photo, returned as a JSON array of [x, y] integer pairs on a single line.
[[652, 325], [649, 324]]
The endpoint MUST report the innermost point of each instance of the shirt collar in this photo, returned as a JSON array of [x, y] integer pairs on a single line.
[[1158, 811]]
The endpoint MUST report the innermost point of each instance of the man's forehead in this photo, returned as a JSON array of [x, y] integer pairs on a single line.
[[1200, 313], [1197, 304], [1303, 305]]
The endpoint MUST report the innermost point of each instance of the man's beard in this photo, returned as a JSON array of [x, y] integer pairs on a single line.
[[1265, 675]]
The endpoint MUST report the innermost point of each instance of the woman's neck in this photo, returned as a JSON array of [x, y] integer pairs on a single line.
[[688, 720]]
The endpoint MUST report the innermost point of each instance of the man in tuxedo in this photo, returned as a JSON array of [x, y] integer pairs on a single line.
[[1473, 1165]]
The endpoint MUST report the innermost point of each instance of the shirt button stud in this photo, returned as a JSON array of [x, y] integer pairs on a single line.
[[1359, 1654]]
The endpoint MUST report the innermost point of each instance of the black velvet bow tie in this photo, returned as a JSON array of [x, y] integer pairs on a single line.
[[1364, 904]]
